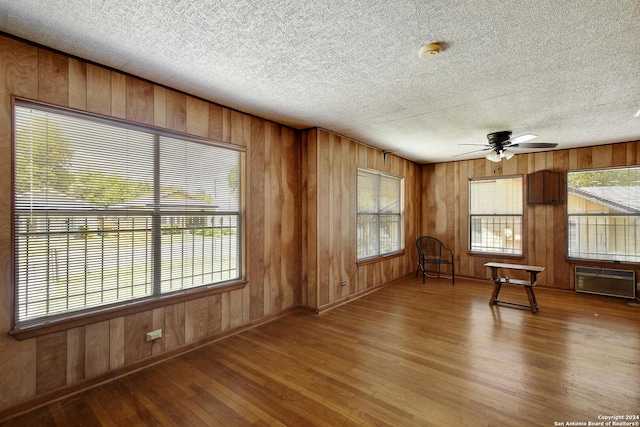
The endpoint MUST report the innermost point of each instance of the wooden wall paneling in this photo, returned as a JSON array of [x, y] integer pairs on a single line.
[[432, 201], [276, 284], [235, 308], [324, 248], [216, 127], [602, 156], [97, 350], [633, 153], [310, 227], [549, 229], [290, 219], [77, 84], [136, 327], [98, 90], [535, 217], [197, 117], [619, 154], [462, 224], [270, 209], [116, 342], [450, 196], [118, 95], [140, 97], [214, 314], [176, 111], [558, 230], [509, 167], [226, 122], [18, 76], [53, 77], [195, 320], [335, 225], [256, 218], [237, 130], [75, 354], [174, 318], [246, 295], [585, 158], [225, 311], [51, 364], [158, 322], [159, 106]]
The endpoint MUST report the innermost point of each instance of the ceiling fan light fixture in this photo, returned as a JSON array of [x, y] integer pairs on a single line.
[[507, 154], [494, 157]]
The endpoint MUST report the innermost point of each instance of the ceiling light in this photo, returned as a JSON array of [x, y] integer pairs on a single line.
[[637, 114], [429, 51], [494, 157], [497, 156], [507, 154]]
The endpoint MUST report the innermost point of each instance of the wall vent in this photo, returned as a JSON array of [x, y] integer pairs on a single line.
[[605, 281]]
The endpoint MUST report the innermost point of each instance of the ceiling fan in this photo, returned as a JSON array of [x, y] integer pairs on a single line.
[[499, 142]]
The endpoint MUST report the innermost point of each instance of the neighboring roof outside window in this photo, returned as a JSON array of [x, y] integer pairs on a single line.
[[43, 199], [618, 198]]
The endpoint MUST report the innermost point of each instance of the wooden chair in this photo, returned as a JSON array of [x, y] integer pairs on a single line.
[[433, 251]]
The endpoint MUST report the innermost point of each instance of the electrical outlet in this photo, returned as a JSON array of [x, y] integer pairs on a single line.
[[154, 335], [343, 283]]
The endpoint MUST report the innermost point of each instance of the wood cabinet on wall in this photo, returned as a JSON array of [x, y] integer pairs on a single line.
[[37, 369], [545, 188], [329, 174], [446, 211]]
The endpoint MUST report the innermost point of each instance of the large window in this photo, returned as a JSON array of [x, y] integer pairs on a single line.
[[379, 228], [495, 215], [107, 213], [603, 213]]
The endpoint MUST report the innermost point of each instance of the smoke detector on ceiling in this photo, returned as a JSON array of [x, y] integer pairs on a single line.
[[430, 51]]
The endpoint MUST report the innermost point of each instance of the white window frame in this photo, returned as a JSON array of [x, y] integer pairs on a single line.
[[603, 219], [375, 221], [499, 227], [206, 240]]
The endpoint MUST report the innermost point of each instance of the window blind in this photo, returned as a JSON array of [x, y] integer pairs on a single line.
[[495, 215], [107, 212], [379, 214]]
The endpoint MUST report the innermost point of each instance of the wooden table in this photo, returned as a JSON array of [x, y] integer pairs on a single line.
[[527, 284]]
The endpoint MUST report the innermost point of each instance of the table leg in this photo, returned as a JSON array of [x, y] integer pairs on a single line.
[[532, 299], [496, 290]]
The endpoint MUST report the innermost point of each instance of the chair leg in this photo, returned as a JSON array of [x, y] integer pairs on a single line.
[[453, 273]]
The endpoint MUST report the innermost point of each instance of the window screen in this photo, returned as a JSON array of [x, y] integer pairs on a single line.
[[107, 213]]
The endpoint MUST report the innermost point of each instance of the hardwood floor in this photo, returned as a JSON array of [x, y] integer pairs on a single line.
[[408, 354]]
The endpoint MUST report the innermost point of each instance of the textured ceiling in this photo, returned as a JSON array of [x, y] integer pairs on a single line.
[[567, 71]]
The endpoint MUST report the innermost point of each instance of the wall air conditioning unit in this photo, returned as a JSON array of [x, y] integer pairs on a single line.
[[604, 281]]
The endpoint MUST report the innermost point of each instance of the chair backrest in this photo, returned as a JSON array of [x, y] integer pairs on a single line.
[[429, 246]]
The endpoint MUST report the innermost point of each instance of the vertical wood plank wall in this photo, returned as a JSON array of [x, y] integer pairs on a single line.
[[329, 175], [445, 209], [48, 363]]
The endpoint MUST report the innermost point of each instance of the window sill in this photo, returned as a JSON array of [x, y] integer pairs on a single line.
[[600, 262], [100, 315], [496, 255], [379, 258]]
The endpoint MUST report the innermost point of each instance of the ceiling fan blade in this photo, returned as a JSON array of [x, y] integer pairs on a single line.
[[474, 151], [522, 138], [480, 145], [533, 145]]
